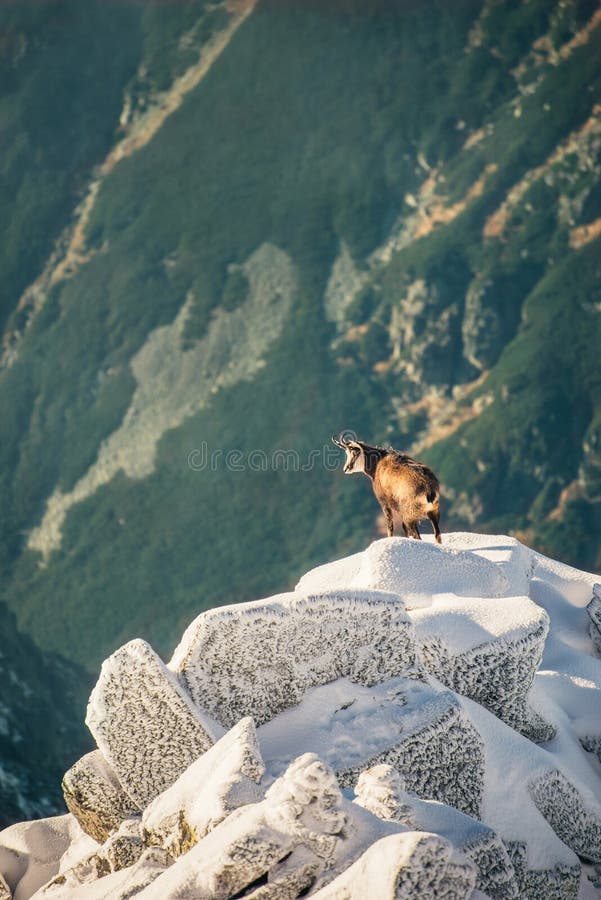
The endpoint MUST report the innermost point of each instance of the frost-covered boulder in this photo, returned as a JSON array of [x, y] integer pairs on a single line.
[[382, 791], [302, 835], [551, 825], [563, 807], [594, 611], [225, 778], [269, 652], [120, 851], [420, 730], [303, 807], [124, 848], [558, 882], [121, 884], [439, 752], [290, 878], [409, 865], [95, 797], [144, 723], [592, 743], [488, 650]]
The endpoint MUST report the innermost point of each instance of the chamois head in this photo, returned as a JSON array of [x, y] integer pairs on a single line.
[[355, 454]]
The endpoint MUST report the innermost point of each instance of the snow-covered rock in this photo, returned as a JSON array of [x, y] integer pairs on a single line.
[[30, 852], [223, 779], [404, 867], [411, 569], [420, 729], [397, 693], [539, 832], [269, 652], [564, 808], [94, 795], [594, 611], [303, 807], [120, 851], [382, 791], [488, 650], [119, 885], [440, 754], [144, 723]]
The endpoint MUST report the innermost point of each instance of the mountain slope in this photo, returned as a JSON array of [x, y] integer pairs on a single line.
[[417, 217], [41, 699]]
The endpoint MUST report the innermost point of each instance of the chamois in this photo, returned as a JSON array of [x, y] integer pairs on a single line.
[[400, 483]]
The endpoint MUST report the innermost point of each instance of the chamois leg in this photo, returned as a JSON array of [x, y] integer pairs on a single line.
[[389, 520], [434, 520], [414, 531], [405, 531]]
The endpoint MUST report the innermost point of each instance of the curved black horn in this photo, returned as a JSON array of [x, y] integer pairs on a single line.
[[336, 440]]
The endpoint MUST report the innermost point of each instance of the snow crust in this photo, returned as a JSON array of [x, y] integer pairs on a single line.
[[412, 721], [398, 565]]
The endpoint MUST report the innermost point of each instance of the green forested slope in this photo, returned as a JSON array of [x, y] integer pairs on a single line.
[[426, 173], [63, 67]]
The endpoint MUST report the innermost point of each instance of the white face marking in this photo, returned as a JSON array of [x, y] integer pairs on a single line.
[[355, 461]]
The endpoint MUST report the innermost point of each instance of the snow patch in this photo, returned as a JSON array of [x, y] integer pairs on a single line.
[[174, 383]]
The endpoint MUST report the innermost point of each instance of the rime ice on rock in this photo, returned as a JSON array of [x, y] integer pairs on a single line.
[[120, 851], [303, 834], [553, 823], [93, 794], [488, 651], [226, 777], [592, 743], [121, 884], [290, 878], [144, 723], [419, 729], [304, 807], [560, 882], [268, 653], [594, 611], [404, 867], [381, 790], [124, 848], [438, 752], [562, 806]]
